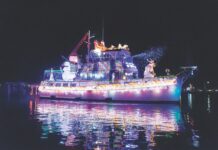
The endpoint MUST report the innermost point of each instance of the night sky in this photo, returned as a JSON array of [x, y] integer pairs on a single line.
[[34, 34]]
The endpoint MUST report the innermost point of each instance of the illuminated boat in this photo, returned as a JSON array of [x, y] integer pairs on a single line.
[[112, 74]]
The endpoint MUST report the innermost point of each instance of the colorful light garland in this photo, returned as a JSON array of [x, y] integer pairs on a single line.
[[137, 90]]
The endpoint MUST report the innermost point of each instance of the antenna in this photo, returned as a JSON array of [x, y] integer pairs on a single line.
[[102, 29]]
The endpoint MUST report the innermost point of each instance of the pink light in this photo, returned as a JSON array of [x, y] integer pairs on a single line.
[[73, 59], [157, 90]]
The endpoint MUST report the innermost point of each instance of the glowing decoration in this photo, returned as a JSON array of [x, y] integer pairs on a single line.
[[157, 90], [101, 46], [111, 74], [73, 59], [149, 69], [67, 74], [153, 53], [165, 89], [51, 78], [97, 51]]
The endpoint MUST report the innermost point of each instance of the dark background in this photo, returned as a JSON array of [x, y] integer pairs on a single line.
[[34, 34]]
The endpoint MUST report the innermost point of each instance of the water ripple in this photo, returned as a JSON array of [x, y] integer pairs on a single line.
[[107, 126]]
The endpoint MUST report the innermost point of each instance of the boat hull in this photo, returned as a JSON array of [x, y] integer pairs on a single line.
[[170, 91]]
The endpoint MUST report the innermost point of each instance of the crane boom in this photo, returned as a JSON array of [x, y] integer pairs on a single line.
[[73, 55], [74, 51]]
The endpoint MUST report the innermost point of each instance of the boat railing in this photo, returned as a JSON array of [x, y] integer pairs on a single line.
[[187, 72], [61, 83]]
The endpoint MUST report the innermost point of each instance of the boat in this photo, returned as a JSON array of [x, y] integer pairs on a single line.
[[112, 74]]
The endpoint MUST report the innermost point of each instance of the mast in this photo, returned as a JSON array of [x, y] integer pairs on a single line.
[[88, 44]]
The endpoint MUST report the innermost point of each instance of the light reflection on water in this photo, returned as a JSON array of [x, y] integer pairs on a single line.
[[31, 124], [106, 125]]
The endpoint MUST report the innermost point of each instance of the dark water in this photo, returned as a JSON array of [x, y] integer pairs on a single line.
[[28, 123]]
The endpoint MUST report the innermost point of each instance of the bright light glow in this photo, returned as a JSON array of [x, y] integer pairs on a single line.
[[97, 51], [172, 89], [73, 59], [102, 90], [157, 90], [67, 74], [63, 117]]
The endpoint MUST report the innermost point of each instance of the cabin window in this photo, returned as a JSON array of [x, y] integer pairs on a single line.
[[58, 84], [72, 84], [50, 84], [65, 84]]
